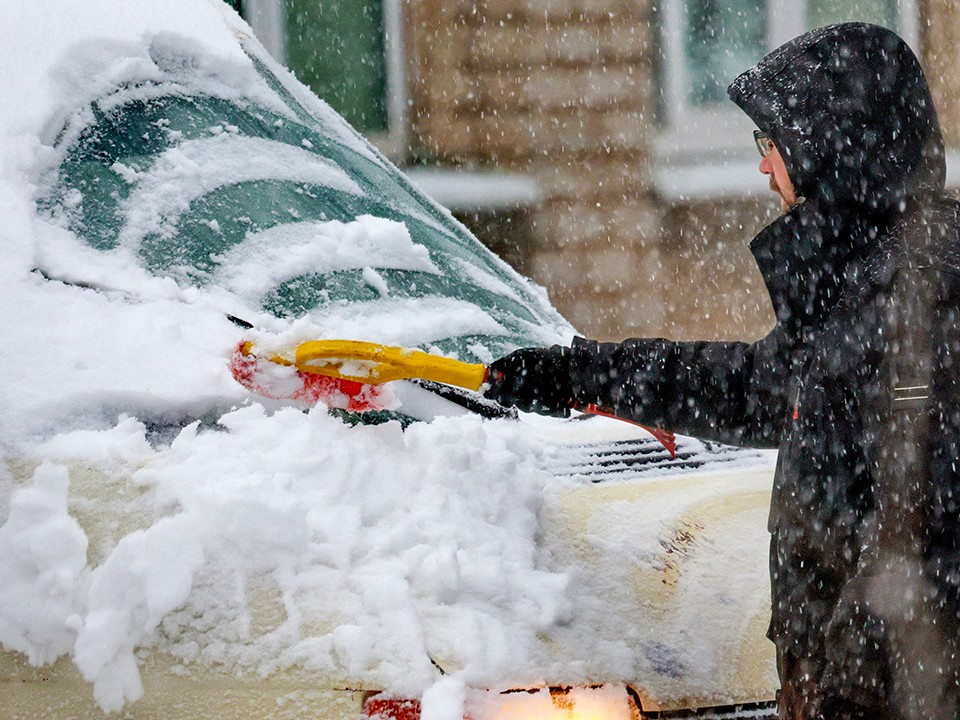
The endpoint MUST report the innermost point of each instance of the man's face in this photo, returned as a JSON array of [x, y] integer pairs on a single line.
[[773, 166]]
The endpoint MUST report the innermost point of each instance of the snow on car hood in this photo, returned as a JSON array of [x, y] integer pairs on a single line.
[[383, 550]]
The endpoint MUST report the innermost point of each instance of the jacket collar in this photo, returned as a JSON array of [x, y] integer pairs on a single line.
[[803, 257]]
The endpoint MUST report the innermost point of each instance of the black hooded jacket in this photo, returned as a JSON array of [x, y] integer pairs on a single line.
[[864, 277]]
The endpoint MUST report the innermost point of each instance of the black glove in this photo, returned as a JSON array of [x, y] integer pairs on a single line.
[[534, 380]]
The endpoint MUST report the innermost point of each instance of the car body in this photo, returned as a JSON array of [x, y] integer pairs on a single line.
[[180, 547]]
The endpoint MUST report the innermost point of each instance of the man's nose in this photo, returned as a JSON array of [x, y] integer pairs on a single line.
[[766, 167]]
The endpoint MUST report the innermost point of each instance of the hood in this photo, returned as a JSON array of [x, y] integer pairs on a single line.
[[850, 110]]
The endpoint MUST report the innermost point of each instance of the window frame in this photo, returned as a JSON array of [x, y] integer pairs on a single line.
[[267, 22], [693, 135]]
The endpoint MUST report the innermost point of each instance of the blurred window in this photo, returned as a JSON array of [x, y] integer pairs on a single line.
[[336, 48], [705, 44], [723, 38], [349, 52]]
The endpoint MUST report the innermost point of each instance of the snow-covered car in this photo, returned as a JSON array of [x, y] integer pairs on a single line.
[[174, 545]]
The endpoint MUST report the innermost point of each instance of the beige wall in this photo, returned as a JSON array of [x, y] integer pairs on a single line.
[[940, 21], [559, 89], [562, 90]]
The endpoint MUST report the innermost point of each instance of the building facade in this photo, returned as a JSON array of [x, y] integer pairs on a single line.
[[593, 138]]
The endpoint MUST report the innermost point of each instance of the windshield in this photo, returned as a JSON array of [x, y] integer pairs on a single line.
[[253, 186]]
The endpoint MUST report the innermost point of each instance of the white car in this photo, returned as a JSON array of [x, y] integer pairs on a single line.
[[175, 545]]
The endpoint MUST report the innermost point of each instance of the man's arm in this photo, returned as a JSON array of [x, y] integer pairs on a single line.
[[727, 391]]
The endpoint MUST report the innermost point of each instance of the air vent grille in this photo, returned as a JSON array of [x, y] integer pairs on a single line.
[[627, 459]]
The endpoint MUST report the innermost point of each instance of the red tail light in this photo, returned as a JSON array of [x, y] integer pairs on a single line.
[[377, 708]]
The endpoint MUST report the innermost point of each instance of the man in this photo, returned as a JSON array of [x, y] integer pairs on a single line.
[[857, 384]]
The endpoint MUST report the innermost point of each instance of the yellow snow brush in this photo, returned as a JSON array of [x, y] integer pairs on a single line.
[[372, 364], [340, 372]]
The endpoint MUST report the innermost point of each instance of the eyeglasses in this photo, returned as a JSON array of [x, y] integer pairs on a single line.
[[763, 141]]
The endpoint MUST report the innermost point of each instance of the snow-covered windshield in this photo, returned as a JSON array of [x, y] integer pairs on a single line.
[[228, 179]]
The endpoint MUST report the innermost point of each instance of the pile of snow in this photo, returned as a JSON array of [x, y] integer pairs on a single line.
[[383, 550]]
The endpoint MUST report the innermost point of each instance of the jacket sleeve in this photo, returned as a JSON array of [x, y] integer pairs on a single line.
[[731, 392]]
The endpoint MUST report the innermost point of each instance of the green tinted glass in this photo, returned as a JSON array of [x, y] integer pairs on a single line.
[[827, 12], [723, 37], [207, 189], [336, 48]]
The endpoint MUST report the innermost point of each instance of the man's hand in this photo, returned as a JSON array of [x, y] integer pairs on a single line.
[[533, 380]]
